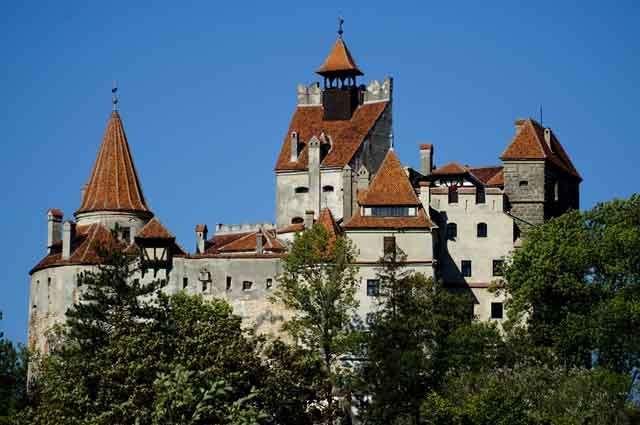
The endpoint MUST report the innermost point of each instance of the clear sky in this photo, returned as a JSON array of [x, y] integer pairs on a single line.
[[207, 90]]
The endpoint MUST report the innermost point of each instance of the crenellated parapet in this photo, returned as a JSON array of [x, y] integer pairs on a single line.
[[310, 95], [376, 92]]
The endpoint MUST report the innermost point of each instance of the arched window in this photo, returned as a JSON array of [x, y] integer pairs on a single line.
[[302, 189], [452, 231], [297, 220], [482, 230], [327, 188]]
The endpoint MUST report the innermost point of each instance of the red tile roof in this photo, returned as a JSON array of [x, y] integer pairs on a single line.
[[114, 183], [244, 242], [420, 221], [485, 174], [297, 227], [339, 61], [55, 212], [326, 220], [346, 135], [529, 143], [155, 230], [497, 179], [83, 248], [452, 168], [390, 185]]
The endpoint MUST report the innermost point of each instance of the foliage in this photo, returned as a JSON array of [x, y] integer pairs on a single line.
[[128, 354], [575, 286], [416, 333], [13, 378], [531, 394], [318, 284]]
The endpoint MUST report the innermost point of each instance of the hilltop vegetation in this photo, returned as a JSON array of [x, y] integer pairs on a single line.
[[568, 354]]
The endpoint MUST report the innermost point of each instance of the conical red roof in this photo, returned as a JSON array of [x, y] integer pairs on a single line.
[[114, 183], [339, 62]]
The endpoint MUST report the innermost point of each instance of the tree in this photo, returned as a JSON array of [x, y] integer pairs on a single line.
[[407, 341], [13, 378], [574, 286], [318, 284], [129, 354]]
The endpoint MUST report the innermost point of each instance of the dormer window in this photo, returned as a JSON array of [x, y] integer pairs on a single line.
[[301, 189]]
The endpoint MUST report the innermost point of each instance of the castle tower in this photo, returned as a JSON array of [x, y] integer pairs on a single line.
[[336, 130], [540, 180], [113, 196]]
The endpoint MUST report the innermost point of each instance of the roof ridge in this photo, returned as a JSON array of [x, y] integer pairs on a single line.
[[390, 185]]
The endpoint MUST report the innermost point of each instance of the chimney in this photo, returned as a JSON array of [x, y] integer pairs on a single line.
[[259, 242], [519, 123], [54, 227], [308, 219], [426, 159], [547, 137], [295, 138], [201, 237], [68, 234], [363, 178], [313, 150]]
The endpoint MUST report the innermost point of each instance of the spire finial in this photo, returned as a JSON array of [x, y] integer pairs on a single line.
[[114, 96], [340, 23]]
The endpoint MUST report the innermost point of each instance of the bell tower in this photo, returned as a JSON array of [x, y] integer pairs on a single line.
[[340, 96]]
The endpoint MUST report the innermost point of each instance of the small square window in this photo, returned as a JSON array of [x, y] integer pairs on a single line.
[[228, 283], [466, 268], [497, 311], [523, 183], [373, 287], [247, 285], [497, 267]]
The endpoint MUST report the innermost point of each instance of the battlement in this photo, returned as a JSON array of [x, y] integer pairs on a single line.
[[375, 91], [222, 229]]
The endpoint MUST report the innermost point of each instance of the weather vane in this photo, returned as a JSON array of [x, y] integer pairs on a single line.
[[114, 96], [340, 23]]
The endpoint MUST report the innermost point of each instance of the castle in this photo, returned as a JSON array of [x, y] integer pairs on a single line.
[[336, 167]]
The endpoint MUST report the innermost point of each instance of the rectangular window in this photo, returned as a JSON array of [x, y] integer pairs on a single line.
[[228, 283], [389, 245], [373, 287], [523, 183], [126, 234], [480, 196], [391, 211], [497, 311], [185, 282], [466, 268], [453, 194], [269, 283], [497, 267], [204, 286], [247, 285]]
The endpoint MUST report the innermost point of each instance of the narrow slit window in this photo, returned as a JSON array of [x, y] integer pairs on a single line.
[[228, 283], [466, 268], [185, 282]]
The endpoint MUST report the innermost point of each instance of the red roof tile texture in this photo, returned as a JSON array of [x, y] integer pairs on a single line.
[[390, 185], [244, 243], [114, 183], [449, 169], [326, 220], [530, 143], [155, 230], [485, 174], [83, 248], [55, 212], [420, 221], [339, 61], [346, 135]]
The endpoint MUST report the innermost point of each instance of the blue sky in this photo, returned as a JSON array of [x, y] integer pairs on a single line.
[[207, 90]]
